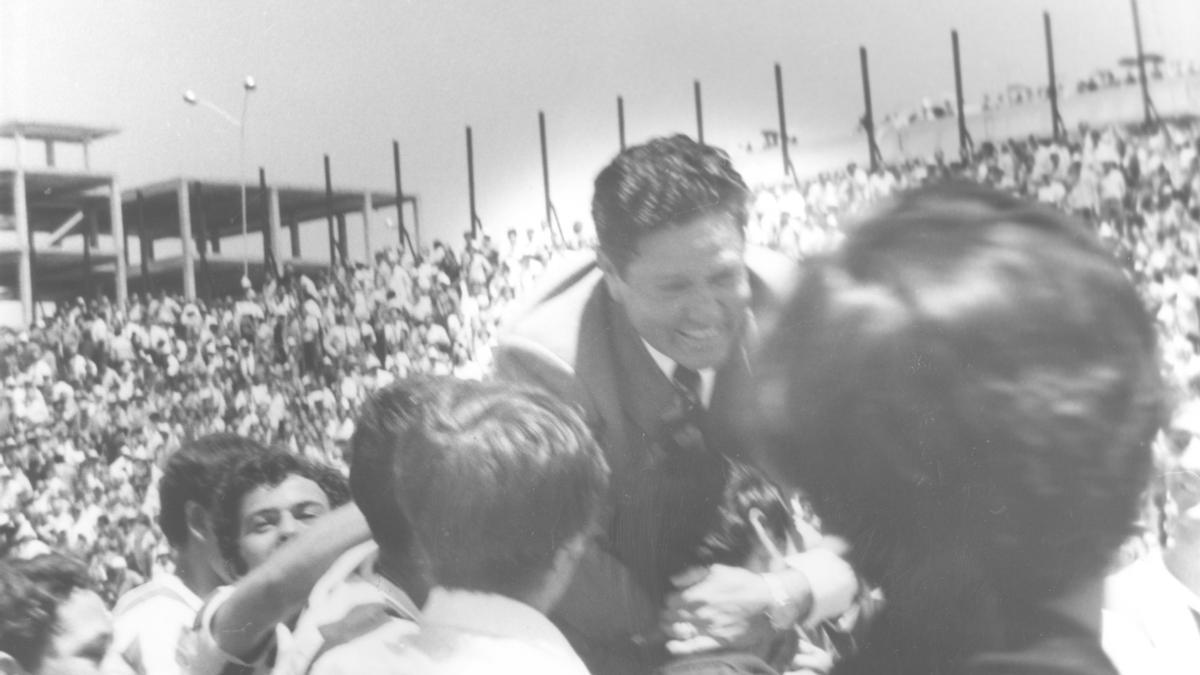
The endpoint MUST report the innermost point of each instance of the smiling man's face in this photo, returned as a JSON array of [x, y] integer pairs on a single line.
[[686, 289]]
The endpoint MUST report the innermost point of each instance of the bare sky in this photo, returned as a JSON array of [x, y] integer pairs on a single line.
[[347, 77]]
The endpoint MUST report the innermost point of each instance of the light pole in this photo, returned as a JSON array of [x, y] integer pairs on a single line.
[[248, 85]]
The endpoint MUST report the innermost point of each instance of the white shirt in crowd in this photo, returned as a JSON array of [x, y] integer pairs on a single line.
[[1151, 623], [148, 623], [462, 633]]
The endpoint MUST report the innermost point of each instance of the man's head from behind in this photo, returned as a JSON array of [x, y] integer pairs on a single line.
[[670, 216], [502, 485], [187, 487], [51, 622], [381, 436], [970, 377]]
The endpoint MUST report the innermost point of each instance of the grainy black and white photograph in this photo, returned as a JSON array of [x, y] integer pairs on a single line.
[[634, 337]]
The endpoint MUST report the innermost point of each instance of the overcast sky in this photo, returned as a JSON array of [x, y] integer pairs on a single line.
[[347, 77]]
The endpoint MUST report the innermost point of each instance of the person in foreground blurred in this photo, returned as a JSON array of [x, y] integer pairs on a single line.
[[967, 390], [502, 485], [51, 621], [150, 619], [261, 505]]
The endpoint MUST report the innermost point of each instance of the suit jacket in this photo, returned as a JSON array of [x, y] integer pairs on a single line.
[[570, 337]]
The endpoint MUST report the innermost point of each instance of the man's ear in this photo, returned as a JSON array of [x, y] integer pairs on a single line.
[[198, 522], [612, 276], [9, 665]]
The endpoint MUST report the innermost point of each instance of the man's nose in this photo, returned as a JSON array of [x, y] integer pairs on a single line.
[[289, 527]]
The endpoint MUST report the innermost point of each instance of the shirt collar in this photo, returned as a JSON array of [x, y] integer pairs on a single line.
[[495, 616], [708, 376]]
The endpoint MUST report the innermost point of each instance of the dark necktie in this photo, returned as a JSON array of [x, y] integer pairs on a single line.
[[688, 382]]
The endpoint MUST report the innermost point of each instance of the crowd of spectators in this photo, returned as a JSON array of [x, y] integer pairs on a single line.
[[93, 399]]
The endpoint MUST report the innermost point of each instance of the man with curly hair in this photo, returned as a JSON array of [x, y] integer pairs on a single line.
[[262, 504]]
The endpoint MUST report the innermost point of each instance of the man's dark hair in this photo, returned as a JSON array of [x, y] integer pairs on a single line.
[[668, 181], [192, 474], [967, 390], [30, 593], [731, 538], [381, 435], [496, 478], [267, 469]]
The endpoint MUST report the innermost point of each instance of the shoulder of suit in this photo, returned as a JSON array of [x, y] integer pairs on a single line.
[[546, 322]]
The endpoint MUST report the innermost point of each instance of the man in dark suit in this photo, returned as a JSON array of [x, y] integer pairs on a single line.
[[651, 337]]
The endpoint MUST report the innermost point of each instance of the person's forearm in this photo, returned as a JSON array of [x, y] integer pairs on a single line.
[[278, 588]]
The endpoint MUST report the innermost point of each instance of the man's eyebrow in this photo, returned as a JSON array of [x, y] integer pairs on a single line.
[[261, 512]]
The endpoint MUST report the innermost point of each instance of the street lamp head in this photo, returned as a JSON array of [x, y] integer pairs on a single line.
[[249, 84], [190, 97]]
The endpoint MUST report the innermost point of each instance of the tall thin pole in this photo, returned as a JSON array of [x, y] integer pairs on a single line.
[[699, 112], [783, 135], [471, 179], [869, 116], [400, 197], [621, 121], [268, 239], [545, 171], [1147, 105], [333, 245], [145, 244], [1056, 123], [964, 136]]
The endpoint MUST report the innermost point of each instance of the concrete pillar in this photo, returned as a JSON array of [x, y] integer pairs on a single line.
[[273, 224], [24, 238], [368, 207], [120, 243], [185, 238]]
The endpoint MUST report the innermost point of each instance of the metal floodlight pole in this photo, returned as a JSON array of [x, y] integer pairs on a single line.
[[869, 116], [400, 198], [1056, 123], [545, 171], [1147, 105], [783, 137], [268, 232], [964, 136], [248, 85], [621, 121], [699, 112], [334, 246], [471, 179], [145, 244]]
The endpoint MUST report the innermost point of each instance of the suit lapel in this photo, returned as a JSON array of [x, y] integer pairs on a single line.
[[644, 391]]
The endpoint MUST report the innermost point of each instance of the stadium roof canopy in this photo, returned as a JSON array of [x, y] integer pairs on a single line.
[[216, 206], [54, 132]]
